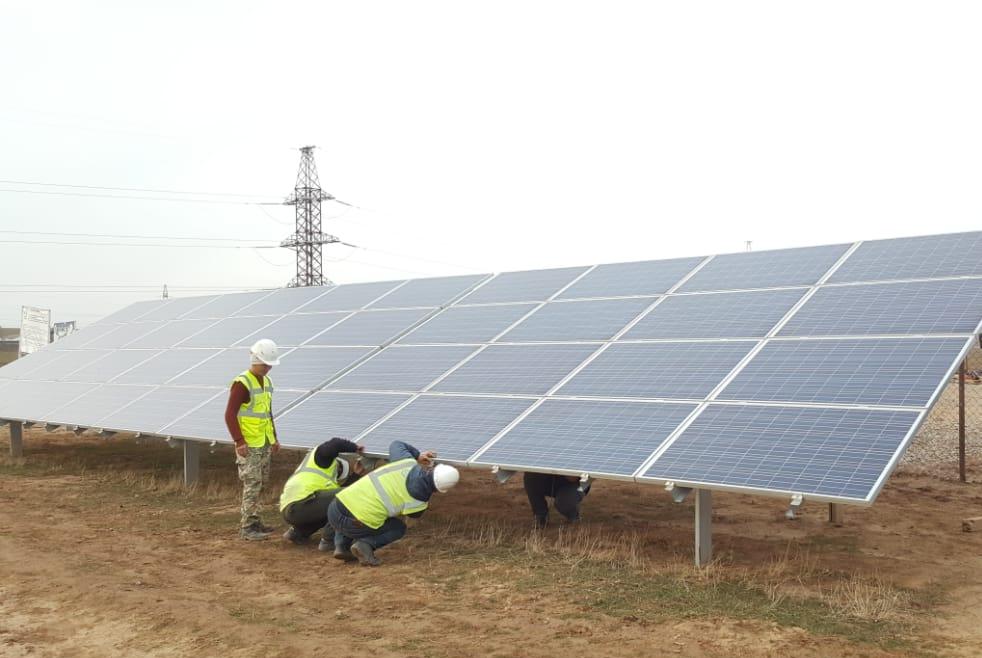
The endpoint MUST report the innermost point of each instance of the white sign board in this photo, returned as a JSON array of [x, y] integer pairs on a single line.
[[35, 328]]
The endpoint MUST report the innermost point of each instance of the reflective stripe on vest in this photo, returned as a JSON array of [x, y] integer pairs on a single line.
[[255, 416], [382, 494], [308, 478]]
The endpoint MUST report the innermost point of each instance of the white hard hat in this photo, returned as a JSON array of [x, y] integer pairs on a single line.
[[445, 477], [265, 351], [343, 469]]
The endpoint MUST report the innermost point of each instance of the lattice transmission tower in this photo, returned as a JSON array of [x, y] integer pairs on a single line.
[[307, 240]]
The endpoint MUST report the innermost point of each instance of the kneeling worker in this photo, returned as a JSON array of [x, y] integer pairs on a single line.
[[564, 489], [364, 515], [310, 490]]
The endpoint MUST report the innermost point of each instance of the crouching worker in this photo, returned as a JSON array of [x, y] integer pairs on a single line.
[[365, 515], [566, 491], [310, 490]]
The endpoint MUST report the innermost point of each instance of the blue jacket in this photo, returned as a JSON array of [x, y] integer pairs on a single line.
[[419, 482]]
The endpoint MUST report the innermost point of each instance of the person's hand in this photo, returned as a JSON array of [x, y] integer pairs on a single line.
[[426, 458], [242, 450], [276, 447]]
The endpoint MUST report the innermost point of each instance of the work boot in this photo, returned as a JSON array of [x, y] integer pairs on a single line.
[[326, 545], [268, 529], [293, 536], [341, 554], [253, 533], [540, 522], [365, 554]]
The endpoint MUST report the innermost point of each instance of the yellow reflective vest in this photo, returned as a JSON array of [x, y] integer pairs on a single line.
[[255, 416], [308, 478], [382, 494]]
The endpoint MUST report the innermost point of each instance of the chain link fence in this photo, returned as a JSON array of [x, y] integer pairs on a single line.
[[935, 448]]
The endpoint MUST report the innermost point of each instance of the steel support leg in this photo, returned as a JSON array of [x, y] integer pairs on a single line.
[[192, 462], [704, 527], [16, 439], [835, 514], [961, 422]]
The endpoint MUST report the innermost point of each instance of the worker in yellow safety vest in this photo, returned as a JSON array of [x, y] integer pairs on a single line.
[[249, 419], [365, 515], [310, 490]]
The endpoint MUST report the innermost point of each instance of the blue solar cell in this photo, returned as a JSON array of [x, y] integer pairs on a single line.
[[827, 452], [890, 308], [650, 277], [467, 324], [717, 315], [517, 369], [403, 368], [350, 297], [587, 436], [371, 327], [208, 421], [527, 286], [597, 319], [428, 292], [324, 415], [657, 370], [155, 410], [296, 329], [896, 371], [454, 427], [926, 257], [766, 269], [307, 367]]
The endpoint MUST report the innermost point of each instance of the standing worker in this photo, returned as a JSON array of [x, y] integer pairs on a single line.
[[249, 418], [310, 490], [364, 515], [566, 490]]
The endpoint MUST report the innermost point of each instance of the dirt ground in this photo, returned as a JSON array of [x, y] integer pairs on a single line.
[[102, 553]]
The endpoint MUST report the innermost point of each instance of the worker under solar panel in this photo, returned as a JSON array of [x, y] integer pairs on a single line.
[[567, 492]]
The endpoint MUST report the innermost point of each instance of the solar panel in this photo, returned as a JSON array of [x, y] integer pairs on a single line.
[[170, 334], [454, 427], [68, 363], [403, 368], [428, 292], [657, 370], [516, 369], [82, 336], [228, 305], [766, 269], [292, 330], [931, 256], [716, 315], [113, 364], [371, 327], [644, 278], [229, 331], [823, 452], [157, 409], [468, 324], [25, 365], [164, 367], [134, 311], [208, 421], [123, 334], [218, 370], [528, 286], [175, 308], [324, 415], [600, 437], [284, 300], [878, 371], [100, 401], [307, 367], [351, 297], [22, 400], [575, 321], [890, 308]]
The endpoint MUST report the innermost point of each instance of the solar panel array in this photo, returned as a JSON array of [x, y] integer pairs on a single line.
[[796, 371]]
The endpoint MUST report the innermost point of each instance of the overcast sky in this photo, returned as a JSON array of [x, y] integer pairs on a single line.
[[474, 137]]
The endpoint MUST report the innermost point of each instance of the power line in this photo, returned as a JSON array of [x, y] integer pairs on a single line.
[[127, 236], [141, 244], [134, 189], [134, 197]]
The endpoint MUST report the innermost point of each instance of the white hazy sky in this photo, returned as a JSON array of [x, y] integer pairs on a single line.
[[475, 136]]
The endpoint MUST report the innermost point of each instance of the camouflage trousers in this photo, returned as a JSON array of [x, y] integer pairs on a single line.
[[254, 473]]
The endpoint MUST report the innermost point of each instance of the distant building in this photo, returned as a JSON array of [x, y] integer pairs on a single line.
[[9, 342]]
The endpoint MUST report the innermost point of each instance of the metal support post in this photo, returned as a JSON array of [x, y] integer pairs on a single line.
[[704, 527], [961, 421], [192, 462], [16, 439], [835, 515]]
